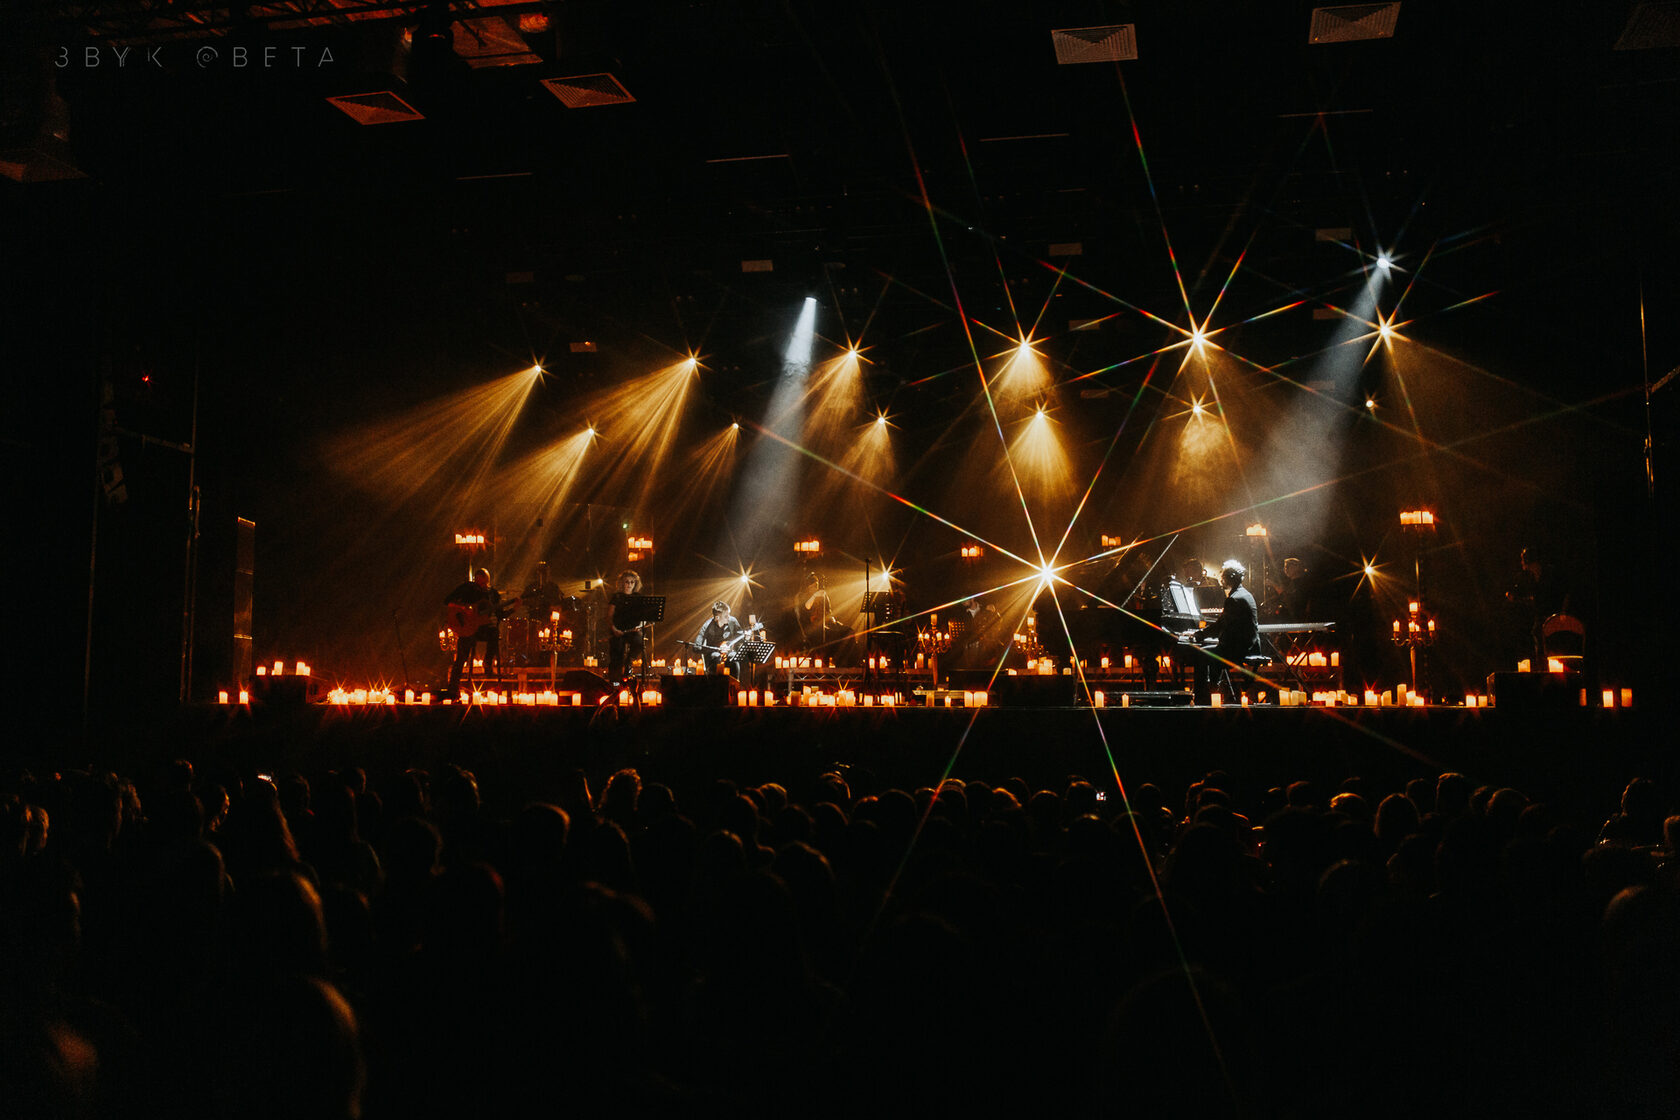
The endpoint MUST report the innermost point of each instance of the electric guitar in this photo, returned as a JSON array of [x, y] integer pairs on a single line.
[[724, 652]]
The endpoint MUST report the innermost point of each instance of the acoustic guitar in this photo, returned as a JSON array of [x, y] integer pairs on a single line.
[[466, 618]]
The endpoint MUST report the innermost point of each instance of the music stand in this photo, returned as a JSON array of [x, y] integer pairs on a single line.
[[637, 610], [754, 653], [876, 603]]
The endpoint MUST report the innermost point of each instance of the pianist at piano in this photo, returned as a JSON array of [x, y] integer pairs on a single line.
[[1230, 638]]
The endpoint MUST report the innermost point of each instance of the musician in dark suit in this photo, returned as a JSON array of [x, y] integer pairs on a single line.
[[719, 632], [1234, 635], [628, 640], [1293, 602], [983, 637], [485, 602]]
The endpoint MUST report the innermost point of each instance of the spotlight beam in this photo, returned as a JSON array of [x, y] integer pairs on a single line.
[[979, 366], [900, 499]]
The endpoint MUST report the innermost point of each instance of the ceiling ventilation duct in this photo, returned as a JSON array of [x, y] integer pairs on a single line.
[[1650, 26], [585, 91], [381, 107], [1352, 22], [1117, 43]]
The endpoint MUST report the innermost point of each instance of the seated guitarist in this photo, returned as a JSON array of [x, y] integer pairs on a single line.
[[718, 637], [474, 609]]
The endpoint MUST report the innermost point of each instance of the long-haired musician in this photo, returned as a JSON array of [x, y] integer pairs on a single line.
[[628, 640]]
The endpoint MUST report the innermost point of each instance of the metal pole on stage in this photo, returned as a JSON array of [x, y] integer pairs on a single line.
[[868, 624], [93, 557], [189, 577]]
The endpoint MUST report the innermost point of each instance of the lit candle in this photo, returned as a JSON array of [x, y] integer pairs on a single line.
[[1105, 661], [1627, 697], [244, 696], [1098, 699], [1219, 699], [1125, 699], [222, 697], [1609, 698]]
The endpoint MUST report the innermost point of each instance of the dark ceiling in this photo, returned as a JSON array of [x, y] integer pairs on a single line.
[[880, 155]]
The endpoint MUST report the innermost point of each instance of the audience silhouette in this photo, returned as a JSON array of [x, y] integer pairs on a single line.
[[330, 945]]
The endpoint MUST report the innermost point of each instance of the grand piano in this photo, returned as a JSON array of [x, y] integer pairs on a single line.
[[1156, 623], [1185, 610]]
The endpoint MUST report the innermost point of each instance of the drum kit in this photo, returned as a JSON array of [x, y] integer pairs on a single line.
[[533, 640]]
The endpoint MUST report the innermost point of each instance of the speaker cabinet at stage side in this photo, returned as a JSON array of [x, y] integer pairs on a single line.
[[593, 686], [1535, 690], [282, 690], [699, 692], [1029, 690]]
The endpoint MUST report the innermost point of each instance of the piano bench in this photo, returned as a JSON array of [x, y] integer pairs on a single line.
[[1252, 666]]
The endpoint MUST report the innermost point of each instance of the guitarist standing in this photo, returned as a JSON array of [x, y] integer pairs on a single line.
[[474, 608]]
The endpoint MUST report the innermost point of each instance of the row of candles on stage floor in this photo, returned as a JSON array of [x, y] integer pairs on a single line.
[[1043, 666], [1399, 697]]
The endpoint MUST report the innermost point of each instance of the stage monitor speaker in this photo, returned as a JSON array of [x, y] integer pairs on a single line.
[[699, 691], [1030, 690], [1535, 690], [971, 680], [280, 690], [592, 685], [1166, 699]]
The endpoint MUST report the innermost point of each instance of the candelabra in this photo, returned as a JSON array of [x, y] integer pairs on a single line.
[[1416, 632]]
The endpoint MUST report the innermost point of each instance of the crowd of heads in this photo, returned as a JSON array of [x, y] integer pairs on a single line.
[[202, 943]]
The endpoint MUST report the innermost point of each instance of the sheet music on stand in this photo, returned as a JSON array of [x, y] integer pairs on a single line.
[[639, 608], [881, 602], [755, 653]]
